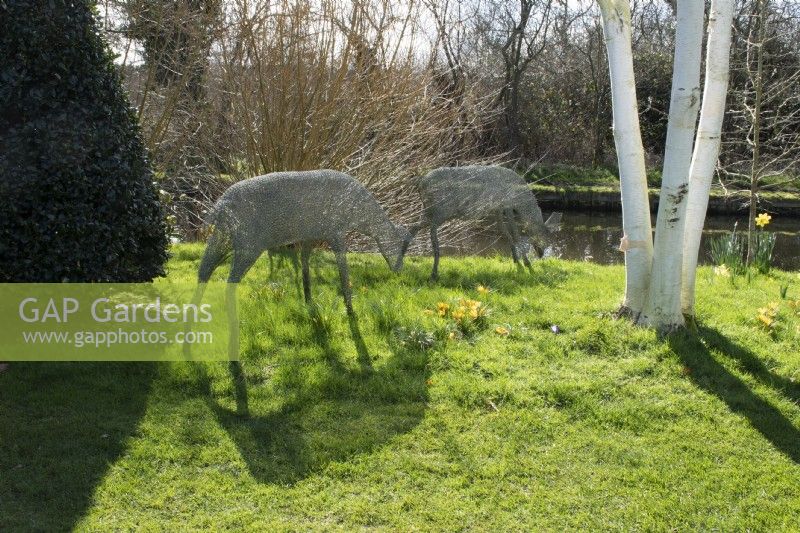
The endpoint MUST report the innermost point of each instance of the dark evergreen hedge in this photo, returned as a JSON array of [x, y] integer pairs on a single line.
[[77, 200]]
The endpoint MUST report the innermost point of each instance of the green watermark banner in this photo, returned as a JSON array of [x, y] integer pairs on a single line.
[[160, 321]]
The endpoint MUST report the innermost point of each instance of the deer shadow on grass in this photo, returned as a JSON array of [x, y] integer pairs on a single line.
[[61, 426], [321, 409], [711, 376]]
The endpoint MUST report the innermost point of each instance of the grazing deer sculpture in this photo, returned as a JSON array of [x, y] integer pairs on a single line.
[[267, 212], [480, 193]]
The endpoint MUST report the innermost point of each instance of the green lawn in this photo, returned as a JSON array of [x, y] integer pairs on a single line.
[[386, 422], [585, 180]]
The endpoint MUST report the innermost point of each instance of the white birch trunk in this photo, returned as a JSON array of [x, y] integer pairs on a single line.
[[706, 150], [637, 242], [663, 308]]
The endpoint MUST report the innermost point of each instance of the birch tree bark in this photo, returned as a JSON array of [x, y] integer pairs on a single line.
[[706, 150], [663, 308], [637, 241]]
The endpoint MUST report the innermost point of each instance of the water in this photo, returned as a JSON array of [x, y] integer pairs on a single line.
[[595, 237]]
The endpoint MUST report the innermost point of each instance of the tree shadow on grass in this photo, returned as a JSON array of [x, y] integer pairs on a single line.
[[710, 375], [328, 411], [61, 426]]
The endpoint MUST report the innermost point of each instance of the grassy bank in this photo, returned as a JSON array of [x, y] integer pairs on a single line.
[[566, 187], [407, 419]]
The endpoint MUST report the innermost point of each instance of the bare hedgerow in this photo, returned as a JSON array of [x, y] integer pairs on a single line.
[[292, 85]]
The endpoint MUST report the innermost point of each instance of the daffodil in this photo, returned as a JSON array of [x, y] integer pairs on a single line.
[[762, 220], [767, 315], [470, 304], [722, 270], [442, 308], [765, 320], [458, 314], [482, 289], [500, 330]]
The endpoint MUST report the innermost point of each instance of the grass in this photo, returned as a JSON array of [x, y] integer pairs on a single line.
[[558, 178], [386, 422]]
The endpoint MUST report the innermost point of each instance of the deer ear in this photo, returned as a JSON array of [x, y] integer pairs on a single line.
[[553, 223]]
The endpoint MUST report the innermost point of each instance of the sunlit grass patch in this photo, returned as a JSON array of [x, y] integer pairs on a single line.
[[549, 414]]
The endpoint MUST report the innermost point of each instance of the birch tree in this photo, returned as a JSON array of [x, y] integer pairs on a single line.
[[663, 303], [660, 281], [706, 150], [637, 241]]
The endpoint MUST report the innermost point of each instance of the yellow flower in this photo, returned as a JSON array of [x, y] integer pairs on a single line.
[[428, 312], [473, 312], [451, 335], [442, 308], [722, 270], [482, 289], [500, 330], [471, 304], [762, 220], [458, 314], [768, 314]]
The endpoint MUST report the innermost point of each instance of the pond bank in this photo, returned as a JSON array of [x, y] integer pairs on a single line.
[[594, 236], [606, 198]]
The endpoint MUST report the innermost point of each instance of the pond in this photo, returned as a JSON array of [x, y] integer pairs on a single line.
[[595, 237]]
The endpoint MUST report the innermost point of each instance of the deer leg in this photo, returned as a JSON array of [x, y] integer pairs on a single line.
[[509, 236], [435, 245], [305, 254], [512, 228], [242, 261], [340, 250], [295, 260]]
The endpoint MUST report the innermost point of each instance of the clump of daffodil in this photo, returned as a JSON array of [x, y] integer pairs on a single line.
[[763, 219], [467, 315], [503, 331], [768, 316], [483, 290], [722, 270]]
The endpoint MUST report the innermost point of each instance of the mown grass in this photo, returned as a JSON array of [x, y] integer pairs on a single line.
[[716, 193], [557, 178], [386, 422]]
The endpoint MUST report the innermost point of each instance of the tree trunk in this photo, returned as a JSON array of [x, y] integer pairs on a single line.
[[637, 241], [663, 308], [706, 150]]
